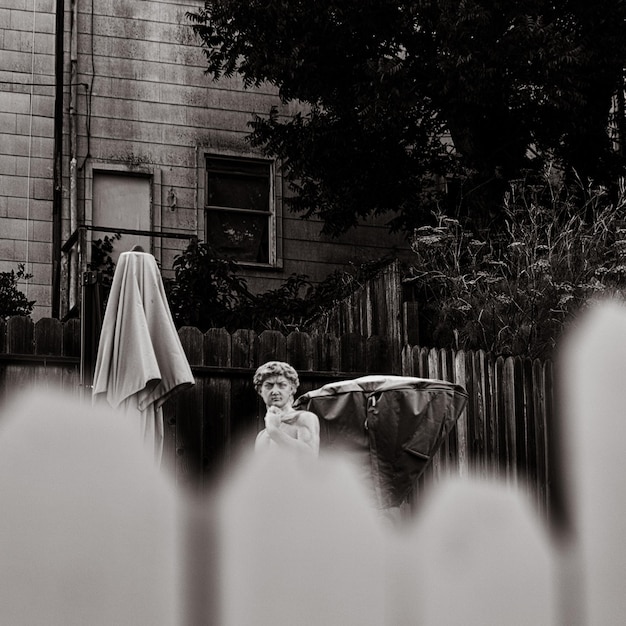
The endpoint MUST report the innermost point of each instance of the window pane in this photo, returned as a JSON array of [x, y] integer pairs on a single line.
[[239, 166], [241, 236], [237, 191]]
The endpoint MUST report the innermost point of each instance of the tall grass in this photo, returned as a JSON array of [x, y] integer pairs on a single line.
[[563, 245]]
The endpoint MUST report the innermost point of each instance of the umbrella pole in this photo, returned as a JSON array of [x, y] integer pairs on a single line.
[[90, 323]]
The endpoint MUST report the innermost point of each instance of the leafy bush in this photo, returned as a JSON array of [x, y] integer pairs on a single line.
[[205, 289], [101, 260], [206, 292], [12, 300], [563, 245]]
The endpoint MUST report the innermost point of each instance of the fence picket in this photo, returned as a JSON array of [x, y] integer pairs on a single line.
[[20, 340], [420, 356], [244, 402], [479, 423], [378, 359], [20, 335], [433, 370], [352, 348], [510, 430], [71, 350], [520, 421], [326, 352], [450, 444], [300, 351], [406, 361], [491, 421], [216, 436], [48, 336], [539, 407], [499, 408], [440, 372], [243, 348], [272, 346], [48, 341], [71, 338], [461, 428], [185, 415], [530, 425]]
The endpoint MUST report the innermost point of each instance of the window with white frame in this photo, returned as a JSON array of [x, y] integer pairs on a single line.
[[239, 209]]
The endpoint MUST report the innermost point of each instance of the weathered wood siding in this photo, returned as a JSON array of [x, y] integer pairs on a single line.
[[27, 105], [136, 99]]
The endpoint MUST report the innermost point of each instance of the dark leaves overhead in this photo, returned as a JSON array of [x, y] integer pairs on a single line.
[[384, 83]]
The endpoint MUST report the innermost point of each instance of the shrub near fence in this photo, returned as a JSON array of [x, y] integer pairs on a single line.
[[504, 429]]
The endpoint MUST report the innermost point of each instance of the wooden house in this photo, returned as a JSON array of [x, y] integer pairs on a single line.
[[109, 124]]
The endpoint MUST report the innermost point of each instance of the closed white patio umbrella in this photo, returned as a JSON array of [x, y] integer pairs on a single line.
[[140, 361]]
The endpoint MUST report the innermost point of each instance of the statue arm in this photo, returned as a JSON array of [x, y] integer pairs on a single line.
[[307, 434]]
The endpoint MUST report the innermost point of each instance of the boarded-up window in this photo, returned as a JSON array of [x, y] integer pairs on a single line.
[[122, 201], [239, 208]]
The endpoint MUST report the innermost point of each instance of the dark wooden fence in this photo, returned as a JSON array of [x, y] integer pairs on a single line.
[[508, 420], [504, 429]]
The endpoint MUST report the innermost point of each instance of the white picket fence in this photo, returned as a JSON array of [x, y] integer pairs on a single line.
[[92, 533]]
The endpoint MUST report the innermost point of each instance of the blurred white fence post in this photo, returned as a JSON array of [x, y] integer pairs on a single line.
[[299, 545], [477, 555], [91, 532], [594, 416], [88, 526]]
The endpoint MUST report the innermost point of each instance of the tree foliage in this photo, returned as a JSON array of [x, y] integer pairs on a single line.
[[205, 289], [101, 259], [12, 300], [383, 83]]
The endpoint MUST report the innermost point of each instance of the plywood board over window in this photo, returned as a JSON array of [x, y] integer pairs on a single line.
[[122, 201]]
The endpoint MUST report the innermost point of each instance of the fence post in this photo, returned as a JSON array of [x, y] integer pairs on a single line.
[[216, 404], [71, 338], [89, 529], [406, 360], [460, 378], [48, 340], [539, 412], [509, 423], [187, 414], [48, 336], [379, 357], [300, 351], [488, 559], [20, 335], [594, 434], [244, 403], [352, 348], [272, 346], [327, 352]]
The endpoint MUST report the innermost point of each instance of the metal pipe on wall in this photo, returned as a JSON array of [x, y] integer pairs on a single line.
[[73, 265], [57, 194]]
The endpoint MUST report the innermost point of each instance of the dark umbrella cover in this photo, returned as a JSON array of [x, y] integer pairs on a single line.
[[394, 424]]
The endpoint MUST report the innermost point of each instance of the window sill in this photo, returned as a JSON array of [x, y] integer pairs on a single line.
[[269, 267]]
